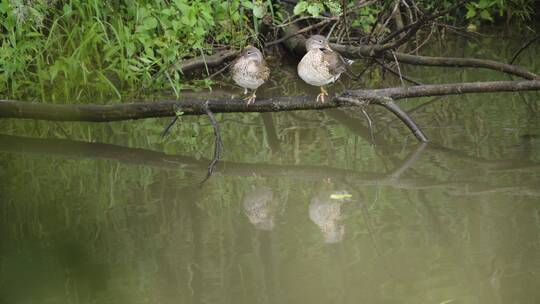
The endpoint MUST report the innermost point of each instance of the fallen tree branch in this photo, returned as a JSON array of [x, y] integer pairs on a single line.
[[446, 89], [465, 63], [297, 45], [390, 105], [210, 61], [168, 108], [361, 52], [407, 120], [192, 64]]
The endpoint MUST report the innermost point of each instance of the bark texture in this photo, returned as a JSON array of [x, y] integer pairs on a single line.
[[169, 108]]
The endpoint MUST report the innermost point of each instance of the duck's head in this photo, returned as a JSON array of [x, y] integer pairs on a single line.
[[252, 53], [317, 42]]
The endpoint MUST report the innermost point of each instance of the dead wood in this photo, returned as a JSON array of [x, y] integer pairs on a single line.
[[296, 45], [170, 108]]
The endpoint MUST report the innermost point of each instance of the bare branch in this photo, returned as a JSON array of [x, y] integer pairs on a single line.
[[218, 144], [168, 108], [303, 30], [361, 52], [296, 45], [522, 48]]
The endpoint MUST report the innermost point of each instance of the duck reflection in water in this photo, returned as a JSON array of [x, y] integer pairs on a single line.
[[325, 211], [260, 208]]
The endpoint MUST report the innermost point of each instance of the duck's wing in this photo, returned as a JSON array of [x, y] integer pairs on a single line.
[[336, 63], [263, 71], [234, 67]]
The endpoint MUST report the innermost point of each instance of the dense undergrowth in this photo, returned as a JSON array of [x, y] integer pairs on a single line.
[[77, 51]]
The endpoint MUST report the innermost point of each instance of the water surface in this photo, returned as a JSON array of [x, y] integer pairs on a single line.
[[304, 207]]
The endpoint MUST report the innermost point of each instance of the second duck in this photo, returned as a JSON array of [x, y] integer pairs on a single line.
[[321, 65]]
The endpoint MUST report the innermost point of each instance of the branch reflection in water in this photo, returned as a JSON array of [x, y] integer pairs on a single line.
[[394, 178]]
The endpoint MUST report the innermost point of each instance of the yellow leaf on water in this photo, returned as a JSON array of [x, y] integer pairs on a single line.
[[340, 196]]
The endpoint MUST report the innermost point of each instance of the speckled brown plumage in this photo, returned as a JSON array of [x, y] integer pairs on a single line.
[[250, 71], [321, 65]]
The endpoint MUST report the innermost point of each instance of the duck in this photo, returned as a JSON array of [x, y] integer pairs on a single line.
[[250, 71], [321, 65]]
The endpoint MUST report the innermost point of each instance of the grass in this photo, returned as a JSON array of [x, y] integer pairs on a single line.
[[105, 51], [81, 50]]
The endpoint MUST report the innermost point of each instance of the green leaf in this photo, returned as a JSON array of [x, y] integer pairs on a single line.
[[259, 11], [150, 23], [485, 3], [486, 15], [470, 13], [300, 8], [334, 7], [315, 9], [67, 9], [4, 6], [248, 4], [34, 34]]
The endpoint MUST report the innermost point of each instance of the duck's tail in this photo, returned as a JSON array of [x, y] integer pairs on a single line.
[[348, 63]]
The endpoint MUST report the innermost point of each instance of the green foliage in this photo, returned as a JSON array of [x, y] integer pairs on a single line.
[[478, 11], [366, 17], [107, 50], [77, 49], [315, 8], [486, 10]]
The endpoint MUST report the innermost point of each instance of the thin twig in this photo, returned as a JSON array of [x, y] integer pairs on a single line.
[[392, 71], [168, 127], [375, 25], [370, 124], [218, 144], [332, 29], [303, 30], [522, 48], [300, 19], [398, 68], [219, 71], [413, 27], [419, 46]]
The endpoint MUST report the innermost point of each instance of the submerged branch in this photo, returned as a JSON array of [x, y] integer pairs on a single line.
[[218, 144]]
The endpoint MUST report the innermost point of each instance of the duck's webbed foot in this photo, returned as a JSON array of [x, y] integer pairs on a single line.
[[250, 99], [321, 95]]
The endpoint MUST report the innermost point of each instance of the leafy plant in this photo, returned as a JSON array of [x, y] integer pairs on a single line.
[[82, 50]]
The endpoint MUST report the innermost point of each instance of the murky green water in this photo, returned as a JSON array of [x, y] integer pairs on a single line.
[[303, 209]]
